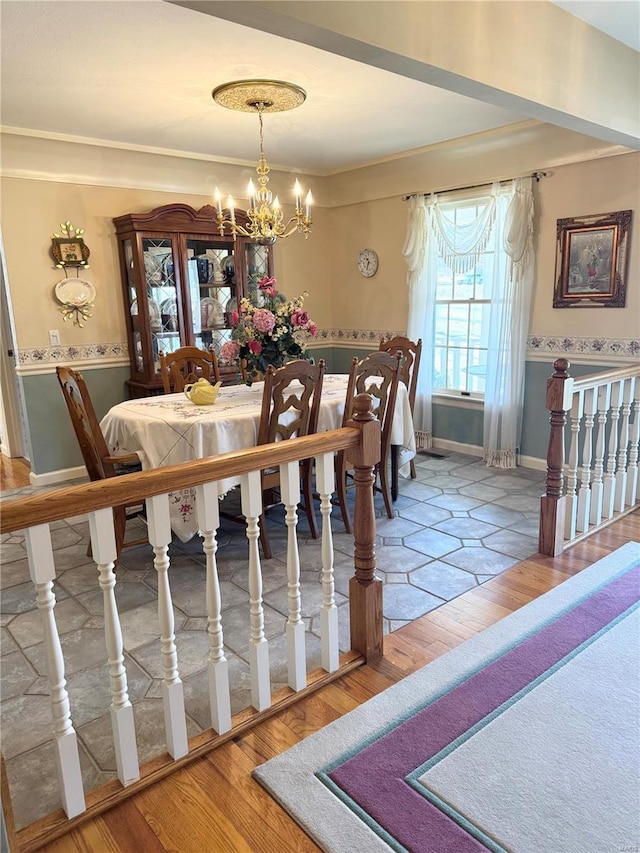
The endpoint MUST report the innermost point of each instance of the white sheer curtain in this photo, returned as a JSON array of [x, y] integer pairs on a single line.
[[421, 255], [510, 309], [504, 224]]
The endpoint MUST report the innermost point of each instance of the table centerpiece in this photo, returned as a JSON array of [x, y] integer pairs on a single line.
[[268, 329]]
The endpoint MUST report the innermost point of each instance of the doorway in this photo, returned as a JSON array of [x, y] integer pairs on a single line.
[[12, 426]]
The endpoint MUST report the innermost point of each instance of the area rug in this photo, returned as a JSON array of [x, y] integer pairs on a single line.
[[525, 738]]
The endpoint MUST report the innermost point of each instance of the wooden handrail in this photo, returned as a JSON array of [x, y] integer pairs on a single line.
[[117, 491], [595, 379]]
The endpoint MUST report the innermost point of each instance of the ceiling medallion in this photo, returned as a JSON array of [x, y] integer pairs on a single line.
[[266, 219]]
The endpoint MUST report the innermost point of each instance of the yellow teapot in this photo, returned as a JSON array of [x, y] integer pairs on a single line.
[[202, 392]]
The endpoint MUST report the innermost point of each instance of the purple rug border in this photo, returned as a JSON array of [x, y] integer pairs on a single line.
[[393, 807]]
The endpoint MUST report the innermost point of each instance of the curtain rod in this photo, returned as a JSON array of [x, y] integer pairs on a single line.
[[537, 175]]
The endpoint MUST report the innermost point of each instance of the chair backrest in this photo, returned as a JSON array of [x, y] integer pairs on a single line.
[[85, 424], [187, 365], [378, 375], [411, 352], [291, 401]]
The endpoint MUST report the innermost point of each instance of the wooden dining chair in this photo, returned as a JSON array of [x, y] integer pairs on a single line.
[[378, 375], [99, 462], [411, 353], [288, 412], [186, 365]]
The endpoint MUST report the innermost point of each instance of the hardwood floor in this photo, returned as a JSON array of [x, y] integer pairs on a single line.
[[14, 473], [213, 804]]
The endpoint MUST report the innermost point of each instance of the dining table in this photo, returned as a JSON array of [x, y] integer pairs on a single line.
[[169, 430]]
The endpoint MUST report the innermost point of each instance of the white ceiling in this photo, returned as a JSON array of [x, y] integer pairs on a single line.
[[140, 73], [619, 19]]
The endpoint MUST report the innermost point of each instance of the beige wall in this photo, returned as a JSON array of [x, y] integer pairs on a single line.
[[32, 210], [578, 190], [325, 264]]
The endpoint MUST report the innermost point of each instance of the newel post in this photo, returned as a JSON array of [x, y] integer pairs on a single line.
[[365, 589], [552, 503]]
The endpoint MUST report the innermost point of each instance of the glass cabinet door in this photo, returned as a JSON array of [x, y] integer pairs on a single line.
[[162, 297], [212, 294], [137, 322], [257, 261]]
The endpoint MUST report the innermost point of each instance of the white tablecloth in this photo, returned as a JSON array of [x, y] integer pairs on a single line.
[[170, 429]]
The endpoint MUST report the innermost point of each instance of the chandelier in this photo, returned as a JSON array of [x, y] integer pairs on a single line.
[[265, 217]]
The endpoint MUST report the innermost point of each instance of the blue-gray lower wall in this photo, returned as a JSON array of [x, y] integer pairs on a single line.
[[466, 425], [54, 446], [53, 443]]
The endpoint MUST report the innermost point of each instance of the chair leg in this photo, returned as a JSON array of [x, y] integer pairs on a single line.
[[412, 466], [385, 488], [264, 538], [307, 495], [341, 489], [119, 524]]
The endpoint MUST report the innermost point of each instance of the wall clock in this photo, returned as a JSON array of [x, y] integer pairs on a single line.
[[368, 262]]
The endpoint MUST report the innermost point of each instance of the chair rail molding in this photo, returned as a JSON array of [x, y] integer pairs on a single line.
[[583, 350], [86, 356]]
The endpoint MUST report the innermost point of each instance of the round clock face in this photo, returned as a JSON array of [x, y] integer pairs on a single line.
[[368, 262]]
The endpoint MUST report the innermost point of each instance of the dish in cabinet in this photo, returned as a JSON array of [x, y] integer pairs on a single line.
[[169, 315], [211, 312]]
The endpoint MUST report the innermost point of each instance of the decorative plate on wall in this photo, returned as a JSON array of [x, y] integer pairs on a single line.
[[75, 291]]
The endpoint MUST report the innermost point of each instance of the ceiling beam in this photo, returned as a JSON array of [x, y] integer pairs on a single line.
[[529, 56]]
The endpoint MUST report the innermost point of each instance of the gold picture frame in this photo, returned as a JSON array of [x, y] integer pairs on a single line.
[[592, 261], [69, 251]]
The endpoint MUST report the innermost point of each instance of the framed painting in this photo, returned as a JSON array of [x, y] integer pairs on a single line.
[[592, 261]]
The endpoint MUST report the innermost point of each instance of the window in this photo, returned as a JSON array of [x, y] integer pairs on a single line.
[[462, 317]]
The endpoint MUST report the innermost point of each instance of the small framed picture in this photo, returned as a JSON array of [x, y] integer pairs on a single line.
[[69, 251], [592, 261]]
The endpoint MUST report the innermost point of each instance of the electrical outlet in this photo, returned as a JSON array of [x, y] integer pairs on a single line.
[[54, 338]]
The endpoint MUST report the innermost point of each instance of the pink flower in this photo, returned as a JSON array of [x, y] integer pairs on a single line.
[[255, 347], [300, 318], [234, 318], [229, 351], [313, 330], [267, 282], [263, 320]]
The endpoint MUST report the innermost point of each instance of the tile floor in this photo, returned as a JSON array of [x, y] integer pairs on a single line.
[[457, 525]]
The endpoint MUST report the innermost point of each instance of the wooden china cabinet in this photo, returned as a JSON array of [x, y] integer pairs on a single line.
[[181, 280]]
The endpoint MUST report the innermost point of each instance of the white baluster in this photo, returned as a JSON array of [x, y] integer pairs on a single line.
[[584, 495], [42, 572], [290, 491], [325, 483], [621, 479], [217, 665], [597, 490], [571, 511], [611, 475], [632, 469], [175, 722], [258, 645], [103, 548]]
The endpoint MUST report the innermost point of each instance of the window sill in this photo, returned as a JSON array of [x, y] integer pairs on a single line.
[[457, 402]]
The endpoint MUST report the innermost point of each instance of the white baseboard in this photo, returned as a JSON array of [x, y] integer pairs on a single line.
[[475, 450], [61, 476], [533, 462], [458, 447]]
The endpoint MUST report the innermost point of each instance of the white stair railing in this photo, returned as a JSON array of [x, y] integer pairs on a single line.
[[602, 413], [98, 498]]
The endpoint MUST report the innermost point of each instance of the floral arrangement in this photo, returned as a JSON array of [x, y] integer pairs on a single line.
[[268, 329]]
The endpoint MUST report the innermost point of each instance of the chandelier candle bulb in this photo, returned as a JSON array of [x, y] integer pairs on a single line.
[[218, 199], [297, 189], [309, 202]]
